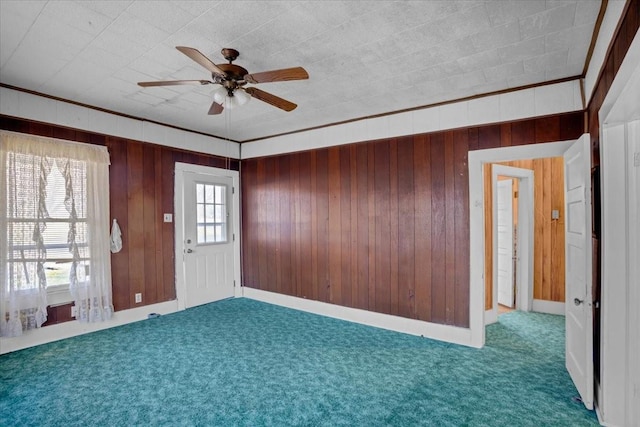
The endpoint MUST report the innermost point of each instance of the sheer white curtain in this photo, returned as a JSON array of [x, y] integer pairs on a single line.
[[26, 163]]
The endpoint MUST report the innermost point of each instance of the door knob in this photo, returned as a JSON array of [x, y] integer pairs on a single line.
[[189, 251], [577, 301]]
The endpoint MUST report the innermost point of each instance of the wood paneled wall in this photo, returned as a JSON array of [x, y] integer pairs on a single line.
[[141, 180], [380, 225], [626, 31], [548, 245]]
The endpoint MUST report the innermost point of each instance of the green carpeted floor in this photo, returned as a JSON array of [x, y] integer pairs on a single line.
[[242, 362]]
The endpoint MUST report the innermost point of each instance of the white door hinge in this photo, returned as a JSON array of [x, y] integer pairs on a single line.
[[636, 159]]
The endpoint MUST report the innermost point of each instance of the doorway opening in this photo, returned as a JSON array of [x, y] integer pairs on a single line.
[[509, 226], [524, 236], [477, 205]]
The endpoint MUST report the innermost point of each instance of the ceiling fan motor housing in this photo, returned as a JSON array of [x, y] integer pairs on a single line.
[[232, 72]]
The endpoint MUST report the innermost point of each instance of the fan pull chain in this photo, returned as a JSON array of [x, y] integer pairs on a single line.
[[227, 120]]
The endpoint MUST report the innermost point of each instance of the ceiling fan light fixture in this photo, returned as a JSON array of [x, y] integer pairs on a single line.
[[219, 95], [230, 100], [241, 96]]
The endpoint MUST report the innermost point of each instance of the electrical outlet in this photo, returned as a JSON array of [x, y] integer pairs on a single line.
[[138, 298], [74, 311]]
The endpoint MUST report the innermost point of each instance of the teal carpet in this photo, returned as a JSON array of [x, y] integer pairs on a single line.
[[242, 362]]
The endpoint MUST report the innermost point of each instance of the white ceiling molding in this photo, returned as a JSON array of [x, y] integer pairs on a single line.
[[33, 107], [522, 104]]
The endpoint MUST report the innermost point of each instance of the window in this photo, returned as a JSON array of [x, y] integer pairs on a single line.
[[211, 209], [55, 229], [54, 211]]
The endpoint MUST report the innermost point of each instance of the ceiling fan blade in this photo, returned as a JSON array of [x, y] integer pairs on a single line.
[[271, 99], [175, 82], [198, 57], [296, 73], [215, 108]]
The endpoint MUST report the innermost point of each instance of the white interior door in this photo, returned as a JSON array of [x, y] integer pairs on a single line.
[[505, 243], [208, 258], [522, 240], [579, 326]]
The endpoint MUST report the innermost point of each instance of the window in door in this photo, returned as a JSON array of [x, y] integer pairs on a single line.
[[211, 209]]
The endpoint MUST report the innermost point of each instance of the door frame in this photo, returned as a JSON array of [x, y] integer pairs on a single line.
[[180, 169], [524, 238], [617, 399], [477, 158]]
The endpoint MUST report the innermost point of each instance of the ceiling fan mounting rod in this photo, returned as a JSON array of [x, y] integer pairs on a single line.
[[230, 54]]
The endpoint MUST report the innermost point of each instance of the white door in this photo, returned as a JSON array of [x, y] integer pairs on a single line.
[[505, 243], [579, 326], [208, 238]]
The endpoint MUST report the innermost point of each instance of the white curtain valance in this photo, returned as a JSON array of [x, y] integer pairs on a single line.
[[52, 148]]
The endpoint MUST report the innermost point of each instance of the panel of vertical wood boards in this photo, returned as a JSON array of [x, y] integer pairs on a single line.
[[141, 180], [378, 225], [548, 238], [626, 31]]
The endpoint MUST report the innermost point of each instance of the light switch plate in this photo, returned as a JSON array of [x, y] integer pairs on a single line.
[[168, 217]]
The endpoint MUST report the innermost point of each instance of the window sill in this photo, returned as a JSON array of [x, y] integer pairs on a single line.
[[58, 295]]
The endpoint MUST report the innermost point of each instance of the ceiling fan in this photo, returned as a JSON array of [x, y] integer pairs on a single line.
[[232, 78]]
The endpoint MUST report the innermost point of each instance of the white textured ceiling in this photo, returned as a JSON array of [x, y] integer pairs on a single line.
[[364, 58]]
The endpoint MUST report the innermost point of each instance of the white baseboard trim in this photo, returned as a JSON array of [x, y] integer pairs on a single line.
[[490, 316], [549, 307], [73, 328], [435, 331]]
